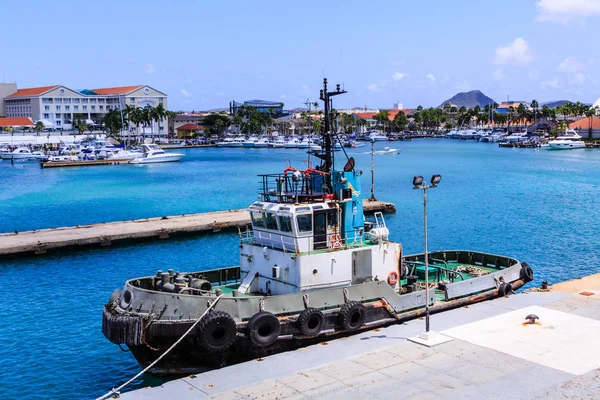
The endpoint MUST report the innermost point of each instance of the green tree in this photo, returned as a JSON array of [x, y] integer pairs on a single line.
[[400, 121], [112, 122], [383, 117], [39, 126]]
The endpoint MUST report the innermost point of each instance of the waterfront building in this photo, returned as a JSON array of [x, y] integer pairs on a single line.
[[505, 106], [16, 122], [264, 106], [189, 130], [59, 106], [184, 119], [587, 127]]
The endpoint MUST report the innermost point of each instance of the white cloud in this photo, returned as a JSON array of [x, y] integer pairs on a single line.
[[515, 53], [149, 69], [551, 84], [305, 89], [571, 65], [186, 93], [533, 75], [373, 88], [498, 74], [431, 77], [577, 78], [564, 11], [398, 76]]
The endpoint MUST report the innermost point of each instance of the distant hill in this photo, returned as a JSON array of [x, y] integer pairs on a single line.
[[558, 103], [469, 99]]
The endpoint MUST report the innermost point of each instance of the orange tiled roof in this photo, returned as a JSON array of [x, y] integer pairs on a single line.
[[584, 124], [117, 90], [392, 114], [33, 91], [190, 127], [16, 121]]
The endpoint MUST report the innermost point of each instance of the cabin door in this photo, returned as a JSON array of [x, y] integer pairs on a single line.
[[320, 229]]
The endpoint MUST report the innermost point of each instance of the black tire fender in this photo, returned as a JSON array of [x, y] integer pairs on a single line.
[[352, 315], [264, 329], [526, 272], [504, 289], [217, 331], [310, 322]]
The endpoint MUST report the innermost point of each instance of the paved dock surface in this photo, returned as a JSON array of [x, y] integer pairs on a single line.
[[557, 358], [105, 234]]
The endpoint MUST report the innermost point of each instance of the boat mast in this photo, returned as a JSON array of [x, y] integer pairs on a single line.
[[327, 155]]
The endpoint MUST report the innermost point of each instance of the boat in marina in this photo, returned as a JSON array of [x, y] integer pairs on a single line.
[[262, 142], [292, 143], [154, 154], [388, 150], [376, 137], [569, 140], [20, 153], [311, 269], [279, 143]]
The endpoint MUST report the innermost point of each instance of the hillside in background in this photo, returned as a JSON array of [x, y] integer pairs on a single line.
[[469, 99]]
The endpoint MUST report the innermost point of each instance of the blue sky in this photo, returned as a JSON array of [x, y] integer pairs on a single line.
[[204, 54]]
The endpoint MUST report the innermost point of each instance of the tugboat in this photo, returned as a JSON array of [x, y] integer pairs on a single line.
[[311, 269]]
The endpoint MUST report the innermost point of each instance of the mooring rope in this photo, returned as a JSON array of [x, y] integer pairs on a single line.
[[116, 391]]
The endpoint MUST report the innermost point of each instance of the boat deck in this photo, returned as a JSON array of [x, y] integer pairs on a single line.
[[492, 355]]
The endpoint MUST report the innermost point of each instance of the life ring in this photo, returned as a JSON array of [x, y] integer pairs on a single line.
[[217, 331], [264, 329], [352, 315], [526, 272], [335, 242], [504, 289], [392, 278], [310, 322]]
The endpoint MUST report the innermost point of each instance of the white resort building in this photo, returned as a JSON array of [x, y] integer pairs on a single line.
[[58, 106]]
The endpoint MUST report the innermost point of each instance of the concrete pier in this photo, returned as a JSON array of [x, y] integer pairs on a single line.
[[105, 234], [494, 354]]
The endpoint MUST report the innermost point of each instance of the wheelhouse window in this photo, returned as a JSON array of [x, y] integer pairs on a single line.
[[332, 220], [257, 220], [285, 223], [304, 222], [270, 221]]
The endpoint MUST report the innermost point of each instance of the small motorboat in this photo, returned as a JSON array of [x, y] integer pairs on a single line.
[[388, 150], [154, 154]]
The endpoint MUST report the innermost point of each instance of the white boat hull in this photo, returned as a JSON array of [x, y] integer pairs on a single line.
[[566, 145], [153, 160]]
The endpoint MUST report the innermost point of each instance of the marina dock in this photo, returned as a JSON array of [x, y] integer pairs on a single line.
[[493, 354], [41, 241], [84, 163]]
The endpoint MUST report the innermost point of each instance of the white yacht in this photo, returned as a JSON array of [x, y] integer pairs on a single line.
[[237, 142], [569, 140], [251, 142], [226, 142], [376, 137], [279, 143], [517, 137], [154, 154], [293, 143], [20, 153], [262, 142]]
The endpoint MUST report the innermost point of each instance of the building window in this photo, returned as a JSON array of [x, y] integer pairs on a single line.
[[84, 100], [93, 108], [57, 108], [84, 108], [46, 116], [46, 108], [56, 116], [92, 100], [58, 100], [75, 108], [67, 108], [132, 100], [101, 108], [58, 123], [75, 100], [44, 100], [67, 100], [100, 100]]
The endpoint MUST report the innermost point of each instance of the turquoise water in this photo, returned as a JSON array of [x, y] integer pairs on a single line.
[[537, 205]]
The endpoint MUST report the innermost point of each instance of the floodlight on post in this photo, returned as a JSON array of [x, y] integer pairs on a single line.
[[419, 184]]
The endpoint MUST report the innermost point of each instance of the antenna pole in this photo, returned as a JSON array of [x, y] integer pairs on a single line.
[[327, 157]]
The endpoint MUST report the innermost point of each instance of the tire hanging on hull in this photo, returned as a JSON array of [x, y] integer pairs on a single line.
[[217, 331], [352, 315], [310, 322], [263, 329]]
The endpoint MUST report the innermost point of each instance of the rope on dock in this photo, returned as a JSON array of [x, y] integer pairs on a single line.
[[116, 391]]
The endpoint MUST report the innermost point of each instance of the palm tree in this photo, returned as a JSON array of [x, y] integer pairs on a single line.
[[590, 113], [39, 126]]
